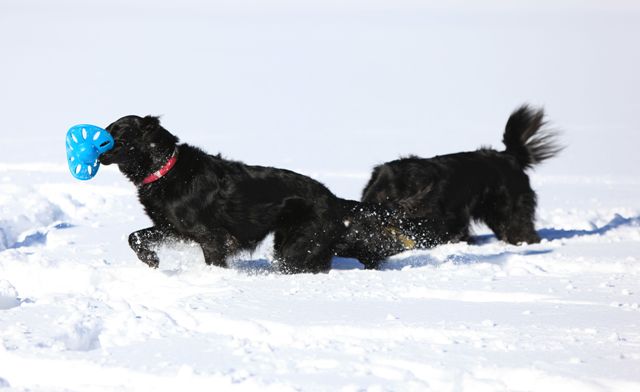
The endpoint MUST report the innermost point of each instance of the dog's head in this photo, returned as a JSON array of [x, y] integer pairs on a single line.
[[373, 233], [141, 145]]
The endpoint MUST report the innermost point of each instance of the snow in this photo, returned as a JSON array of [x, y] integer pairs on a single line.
[[81, 311], [328, 90], [8, 295]]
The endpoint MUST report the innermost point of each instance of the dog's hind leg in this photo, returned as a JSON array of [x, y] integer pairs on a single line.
[[216, 246], [142, 242], [523, 232], [522, 223], [304, 239], [214, 253], [521, 227], [516, 224], [305, 248]]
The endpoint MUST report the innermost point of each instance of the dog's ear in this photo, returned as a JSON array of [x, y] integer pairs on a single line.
[[151, 127], [149, 123]]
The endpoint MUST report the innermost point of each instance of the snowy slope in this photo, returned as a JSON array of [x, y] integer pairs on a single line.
[[328, 89]]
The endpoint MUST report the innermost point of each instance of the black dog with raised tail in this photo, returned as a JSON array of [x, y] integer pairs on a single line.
[[441, 195]]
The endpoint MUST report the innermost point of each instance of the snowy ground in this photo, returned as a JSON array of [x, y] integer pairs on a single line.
[[327, 89], [81, 313]]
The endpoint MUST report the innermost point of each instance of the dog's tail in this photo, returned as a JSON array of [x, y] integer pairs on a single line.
[[527, 139]]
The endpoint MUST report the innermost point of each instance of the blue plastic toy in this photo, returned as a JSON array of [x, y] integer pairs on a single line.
[[85, 143]]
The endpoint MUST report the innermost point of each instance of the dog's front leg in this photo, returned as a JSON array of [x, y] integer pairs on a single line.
[[142, 241]]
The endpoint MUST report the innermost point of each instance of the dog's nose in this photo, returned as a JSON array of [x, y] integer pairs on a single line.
[[104, 159]]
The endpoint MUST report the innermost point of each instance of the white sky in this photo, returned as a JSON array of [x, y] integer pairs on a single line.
[[325, 86]]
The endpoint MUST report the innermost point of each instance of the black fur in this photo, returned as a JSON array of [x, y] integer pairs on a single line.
[[441, 195], [227, 206]]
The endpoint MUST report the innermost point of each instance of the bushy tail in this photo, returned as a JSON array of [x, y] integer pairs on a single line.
[[527, 139]]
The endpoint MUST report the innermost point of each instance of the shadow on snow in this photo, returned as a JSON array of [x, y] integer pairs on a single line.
[[36, 238], [616, 222]]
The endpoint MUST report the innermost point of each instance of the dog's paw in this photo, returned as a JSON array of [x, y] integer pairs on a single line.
[[149, 258], [370, 265], [152, 263]]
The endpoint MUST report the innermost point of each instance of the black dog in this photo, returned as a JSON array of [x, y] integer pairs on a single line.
[[228, 206], [442, 194]]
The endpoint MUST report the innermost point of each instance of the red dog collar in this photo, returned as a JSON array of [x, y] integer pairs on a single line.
[[155, 176]]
